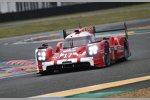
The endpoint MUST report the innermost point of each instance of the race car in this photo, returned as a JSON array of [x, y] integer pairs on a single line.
[[83, 48]]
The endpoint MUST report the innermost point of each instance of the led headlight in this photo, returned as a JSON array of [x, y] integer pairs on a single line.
[[41, 56], [93, 50]]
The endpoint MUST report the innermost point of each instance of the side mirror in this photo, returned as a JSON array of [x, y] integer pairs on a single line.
[[45, 45], [58, 47]]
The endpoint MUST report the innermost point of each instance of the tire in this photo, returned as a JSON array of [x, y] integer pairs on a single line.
[[126, 50], [43, 73], [47, 72], [107, 59]]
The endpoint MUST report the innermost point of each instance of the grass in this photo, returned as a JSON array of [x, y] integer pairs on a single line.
[[142, 93], [100, 17]]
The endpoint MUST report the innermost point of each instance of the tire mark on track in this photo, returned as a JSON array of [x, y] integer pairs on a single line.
[[16, 67]]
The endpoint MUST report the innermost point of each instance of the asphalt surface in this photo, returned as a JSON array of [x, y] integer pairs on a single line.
[[34, 84]]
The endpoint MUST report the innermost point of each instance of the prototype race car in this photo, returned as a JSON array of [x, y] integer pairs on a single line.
[[83, 48]]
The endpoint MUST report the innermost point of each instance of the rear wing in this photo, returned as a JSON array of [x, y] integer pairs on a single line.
[[97, 30], [108, 32]]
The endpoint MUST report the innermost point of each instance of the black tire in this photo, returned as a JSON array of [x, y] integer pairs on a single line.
[[43, 73], [47, 72], [126, 54], [107, 55]]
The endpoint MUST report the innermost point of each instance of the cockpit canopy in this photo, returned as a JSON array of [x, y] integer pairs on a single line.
[[78, 41]]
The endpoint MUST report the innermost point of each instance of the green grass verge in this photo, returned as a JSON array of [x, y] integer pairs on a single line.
[[141, 93], [111, 16]]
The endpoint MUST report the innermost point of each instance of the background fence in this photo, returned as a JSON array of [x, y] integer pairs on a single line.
[[61, 10]]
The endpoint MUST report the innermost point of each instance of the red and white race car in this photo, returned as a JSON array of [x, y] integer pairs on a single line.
[[83, 48]]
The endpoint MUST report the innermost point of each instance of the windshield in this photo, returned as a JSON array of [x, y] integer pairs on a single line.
[[78, 41]]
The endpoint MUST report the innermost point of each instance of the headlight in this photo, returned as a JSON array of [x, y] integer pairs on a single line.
[[41, 56], [93, 50]]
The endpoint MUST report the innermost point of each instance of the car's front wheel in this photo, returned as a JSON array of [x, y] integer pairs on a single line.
[[47, 72]]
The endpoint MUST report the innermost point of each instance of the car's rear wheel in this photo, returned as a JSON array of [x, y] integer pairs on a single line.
[[107, 59], [126, 52]]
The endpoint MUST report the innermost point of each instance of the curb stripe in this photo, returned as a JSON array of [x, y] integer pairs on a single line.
[[131, 33], [94, 88]]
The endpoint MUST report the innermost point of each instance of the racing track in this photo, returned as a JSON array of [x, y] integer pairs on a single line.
[[33, 84]]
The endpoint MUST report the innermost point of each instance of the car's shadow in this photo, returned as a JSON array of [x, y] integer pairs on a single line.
[[69, 70], [82, 68]]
